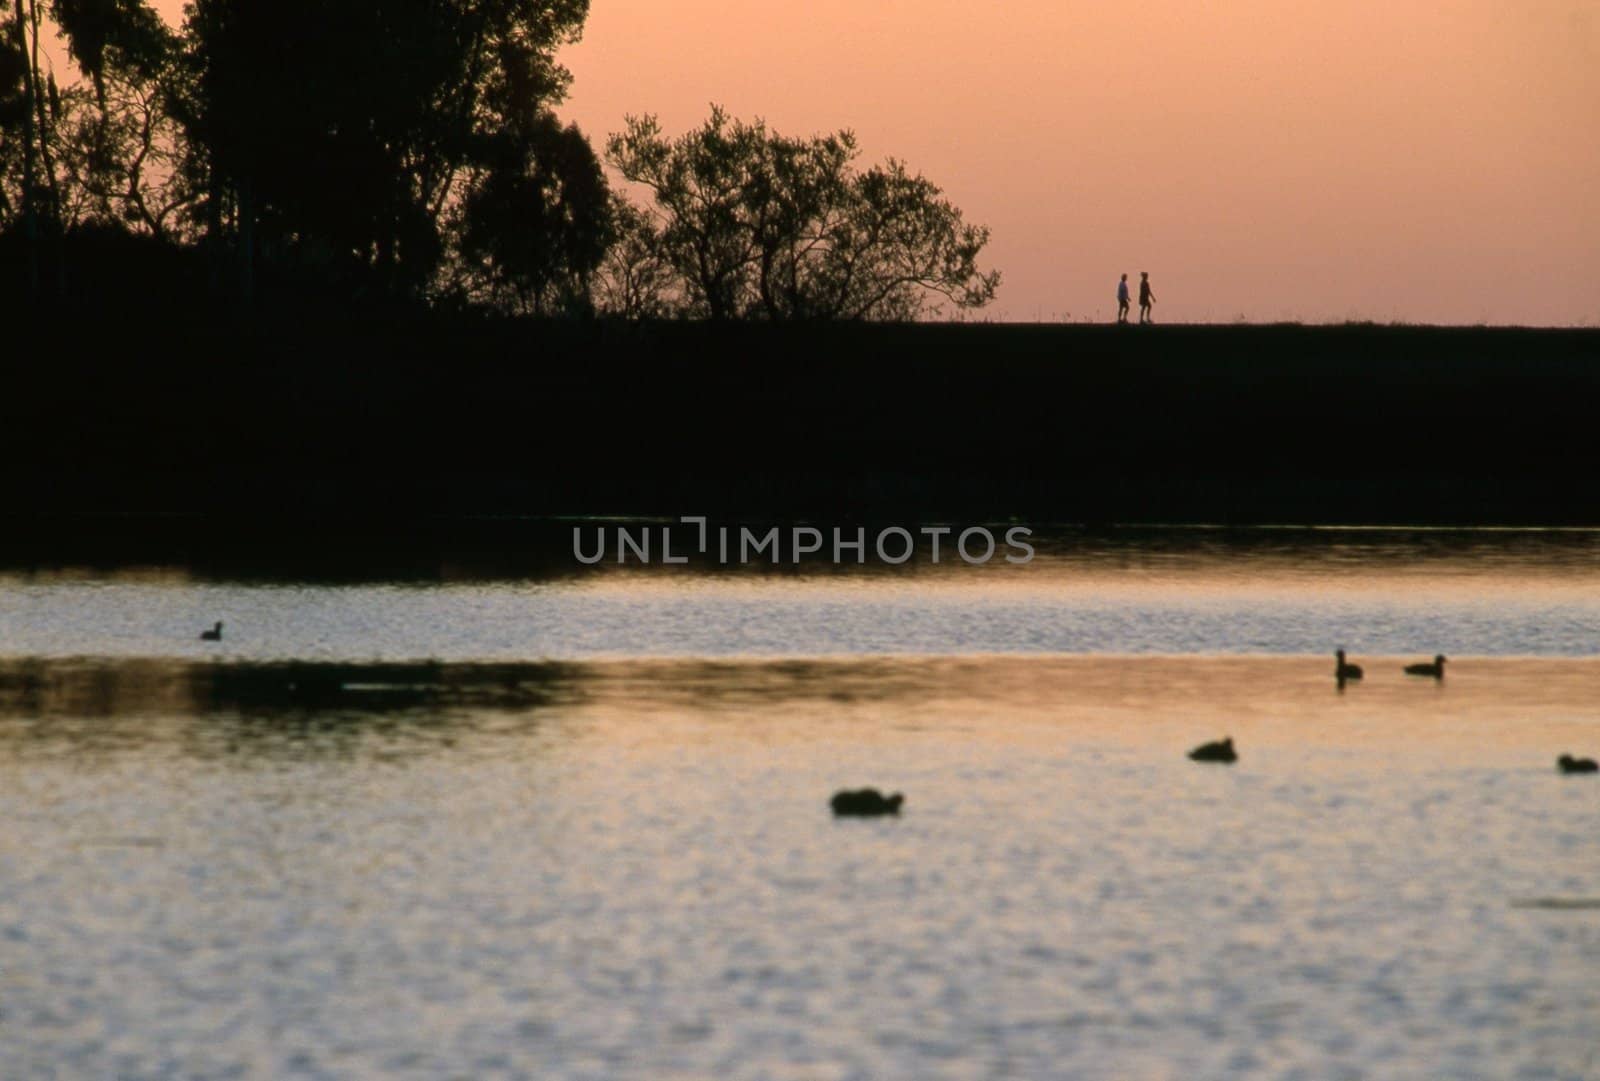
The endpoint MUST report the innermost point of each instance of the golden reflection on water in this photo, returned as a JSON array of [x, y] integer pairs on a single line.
[[357, 866], [1487, 710]]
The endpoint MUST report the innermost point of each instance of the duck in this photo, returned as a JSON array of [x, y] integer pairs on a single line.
[[865, 803], [213, 635], [1567, 764], [1343, 671], [1436, 669], [1219, 751]]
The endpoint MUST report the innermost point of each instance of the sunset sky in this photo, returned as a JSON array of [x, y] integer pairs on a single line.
[[1417, 160]]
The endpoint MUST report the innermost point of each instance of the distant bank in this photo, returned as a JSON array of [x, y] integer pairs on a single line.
[[418, 416]]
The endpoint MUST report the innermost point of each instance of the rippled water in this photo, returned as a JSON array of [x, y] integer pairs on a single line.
[[1473, 594], [577, 827]]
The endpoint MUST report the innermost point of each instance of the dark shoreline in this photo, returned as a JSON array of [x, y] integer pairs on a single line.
[[383, 419]]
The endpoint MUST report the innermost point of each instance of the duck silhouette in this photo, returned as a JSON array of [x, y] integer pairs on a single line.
[[865, 803], [213, 635], [1219, 751], [1343, 671], [1567, 764], [1436, 669]]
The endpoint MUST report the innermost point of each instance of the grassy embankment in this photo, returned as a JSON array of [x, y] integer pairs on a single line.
[[390, 418]]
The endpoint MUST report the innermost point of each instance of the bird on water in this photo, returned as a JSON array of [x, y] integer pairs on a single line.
[[1343, 671], [213, 635], [1435, 670], [865, 802], [1568, 764], [1218, 751]]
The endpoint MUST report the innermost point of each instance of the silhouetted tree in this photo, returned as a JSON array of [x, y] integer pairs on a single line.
[[344, 134], [760, 225], [535, 223], [86, 160], [112, 34], [120, 145], [17, 147], [33, 197], [701, 185], [635, 279]]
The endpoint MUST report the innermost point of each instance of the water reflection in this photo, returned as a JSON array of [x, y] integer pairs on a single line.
[[32, 687], [1181, 591], [299, 710], [573, 870], [315, 854], [97, 709]]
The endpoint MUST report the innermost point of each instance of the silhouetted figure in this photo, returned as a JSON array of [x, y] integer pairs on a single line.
[[865, 803], [1568, 764], [1436, 669], [1221, 751], [1343, 671], [213, 635], [1146, 299], [1122, 300]]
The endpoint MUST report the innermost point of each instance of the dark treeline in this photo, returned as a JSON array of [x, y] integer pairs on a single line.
[[406, 153]]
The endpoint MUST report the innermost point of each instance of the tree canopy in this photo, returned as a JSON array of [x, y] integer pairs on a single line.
[[344, 132], [760, 225], [409, 150], [332, 145], [536, 222]]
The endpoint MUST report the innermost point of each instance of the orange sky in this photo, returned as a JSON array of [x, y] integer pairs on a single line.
[[1424, 160], [1419, 160]]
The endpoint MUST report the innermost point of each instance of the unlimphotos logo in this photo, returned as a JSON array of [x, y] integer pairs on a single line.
[[729, 545]]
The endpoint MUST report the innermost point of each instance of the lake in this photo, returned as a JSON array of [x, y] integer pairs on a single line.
[[550, 821]]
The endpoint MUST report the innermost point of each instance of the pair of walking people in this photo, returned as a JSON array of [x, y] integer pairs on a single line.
[[1147, 299]]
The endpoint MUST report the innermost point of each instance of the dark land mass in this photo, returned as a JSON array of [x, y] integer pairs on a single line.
[[117, 415]]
